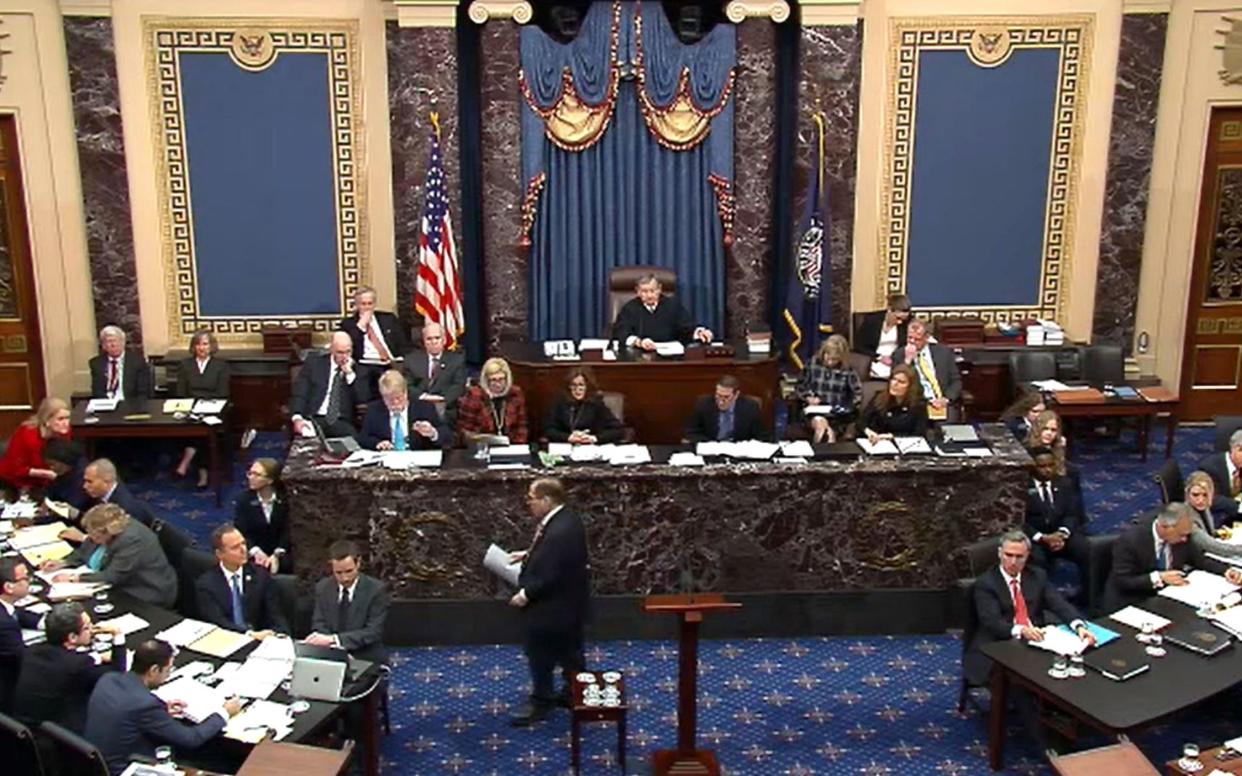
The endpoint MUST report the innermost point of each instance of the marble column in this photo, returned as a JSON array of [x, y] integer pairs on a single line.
[[105, 187], [749, 263], [505, 266], [830, 62], [1129, 177], [422, 77]]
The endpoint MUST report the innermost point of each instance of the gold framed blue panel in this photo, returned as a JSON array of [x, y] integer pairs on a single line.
[[254, 45], [987, 42]]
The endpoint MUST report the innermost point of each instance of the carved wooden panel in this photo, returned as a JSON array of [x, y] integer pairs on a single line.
[[9, 307], [1224, 284]]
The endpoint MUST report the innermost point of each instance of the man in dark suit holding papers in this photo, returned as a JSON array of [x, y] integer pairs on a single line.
[[554, 595], [1012, 601], [1154, 553]]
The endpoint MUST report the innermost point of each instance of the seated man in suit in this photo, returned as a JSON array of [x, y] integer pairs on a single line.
[[881, 334], [727, 416], [434, 371], [125, 718], [102, 485], [936, 368], [1154, 552], [56, 679], [351, 608], [324, 390], [1225, 469], [378, 340], [401, 421], [650, 317], [118, 372], [1013, 600], [14, 586], [1056, 521], [238, 594]]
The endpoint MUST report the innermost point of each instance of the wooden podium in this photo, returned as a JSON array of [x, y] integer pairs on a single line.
[[689, 609]]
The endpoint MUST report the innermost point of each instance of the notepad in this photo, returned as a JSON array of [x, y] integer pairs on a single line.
[[102, 405], [185, 632], [209, 406], [36, 535], [219, 643], [172, 406], [200, 700], [1137, 618], [880, 447], [126, 624], [57, 550]]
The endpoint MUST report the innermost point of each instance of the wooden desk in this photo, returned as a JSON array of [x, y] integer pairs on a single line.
[[113, 425], [1113, 407], [269, 758], [1122, 759], [258, 384], [1208, 758], [659, 392]]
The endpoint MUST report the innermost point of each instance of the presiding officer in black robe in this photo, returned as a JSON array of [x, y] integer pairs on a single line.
[[554, 595], [651, 317]]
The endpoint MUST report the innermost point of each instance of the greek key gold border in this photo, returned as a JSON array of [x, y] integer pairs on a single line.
[[166, 39], [1072, 36]]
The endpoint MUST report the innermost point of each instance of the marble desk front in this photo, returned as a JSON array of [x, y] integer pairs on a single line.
[[845, 523]]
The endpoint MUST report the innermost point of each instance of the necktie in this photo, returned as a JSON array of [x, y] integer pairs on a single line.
[[928, 374], [1020, 617], [1047, 488], [432, 368], [337, 380], [113, 377], [398, 435], [342, 612], [724, 428], [1235, 485], [376, 343], [1162, 556], [239, 612]]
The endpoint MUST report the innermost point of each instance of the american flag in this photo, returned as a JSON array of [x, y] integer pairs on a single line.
[[437, 290]]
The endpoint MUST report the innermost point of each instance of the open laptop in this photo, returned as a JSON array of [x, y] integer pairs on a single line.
[[337, 447], [318, 672]]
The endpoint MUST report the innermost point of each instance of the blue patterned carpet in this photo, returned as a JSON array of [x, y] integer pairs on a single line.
[[872, 706]]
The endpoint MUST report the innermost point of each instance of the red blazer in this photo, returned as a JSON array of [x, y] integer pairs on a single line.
[[474, 415], [25, 452]]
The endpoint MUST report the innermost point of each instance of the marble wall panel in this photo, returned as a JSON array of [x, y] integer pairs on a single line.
[[749, 263], [105, 187], [1129, 177], [422, 77], [839, 524], [505, 267], [830, 69]]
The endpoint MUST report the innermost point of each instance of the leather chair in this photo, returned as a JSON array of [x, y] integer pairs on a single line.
[[1225, 426], [77, 756], [1169, 481], [1103, 364], [1099, 566], [1029, 366], [194, 563], [297, 609], [621, 281], [979, 556], [173, 541], [18, 748]]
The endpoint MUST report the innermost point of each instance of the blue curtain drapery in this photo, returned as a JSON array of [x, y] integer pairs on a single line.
[[625, 195]]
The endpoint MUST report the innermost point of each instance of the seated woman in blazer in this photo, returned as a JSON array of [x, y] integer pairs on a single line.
[[201, 376], [896, 411], [261, 513], [580, 416], [494, 406]]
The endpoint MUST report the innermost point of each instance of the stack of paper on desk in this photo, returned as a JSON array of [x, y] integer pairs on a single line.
[[172, 406], [200, 700], [127, 623], [57, 550], [1061, 642], [799, 448], [185, 632], [209, 406], [254, 678], [74, 591], [912, 445], [881, 447], [685, 459], [399, 460], [670, 349], [750, 449], [20, 509], [622, 455], [219, 642], [102, 405], [1203, 588], [1230, 620], [261, 716], [1136, 618], [36, 535]]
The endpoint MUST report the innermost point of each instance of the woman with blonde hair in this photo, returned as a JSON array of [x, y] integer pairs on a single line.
[[494, 406], [829, 385], [1199, 493], [23, 466], [131, 559]]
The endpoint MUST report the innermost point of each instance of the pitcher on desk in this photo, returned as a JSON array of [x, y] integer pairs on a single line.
[[936, 369], [651, 317]]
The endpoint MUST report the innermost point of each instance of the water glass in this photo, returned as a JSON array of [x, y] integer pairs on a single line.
[[1190, 758], [1155, 645], [163, 757], [1077, 668], [1060, 667]]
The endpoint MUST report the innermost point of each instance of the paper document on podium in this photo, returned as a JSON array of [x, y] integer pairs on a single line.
[[881, 447], [177, 405], [670, 349], [497, 561], [102, 405], [912, 444], [209, 406], [412, 459]]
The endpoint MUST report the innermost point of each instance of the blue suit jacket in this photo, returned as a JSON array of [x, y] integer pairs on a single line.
[[376, 426], [124, 718], [11, 646]]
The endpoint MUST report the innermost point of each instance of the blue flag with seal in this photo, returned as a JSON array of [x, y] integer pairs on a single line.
[[808, 296]]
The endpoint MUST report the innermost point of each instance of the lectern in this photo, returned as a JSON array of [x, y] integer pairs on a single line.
[[689, 610]]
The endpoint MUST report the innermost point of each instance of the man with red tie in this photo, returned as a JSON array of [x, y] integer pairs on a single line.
[[118, 372], [378, 340], [1013, 601], [554, 595]]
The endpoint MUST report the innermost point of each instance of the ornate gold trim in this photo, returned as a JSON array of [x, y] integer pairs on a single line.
[[740, 10], [483, 11], [166, 38], [1072, 35], [426, 13]]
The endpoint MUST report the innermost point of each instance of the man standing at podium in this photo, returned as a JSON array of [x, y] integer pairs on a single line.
[[650, 317], [554, 595]]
